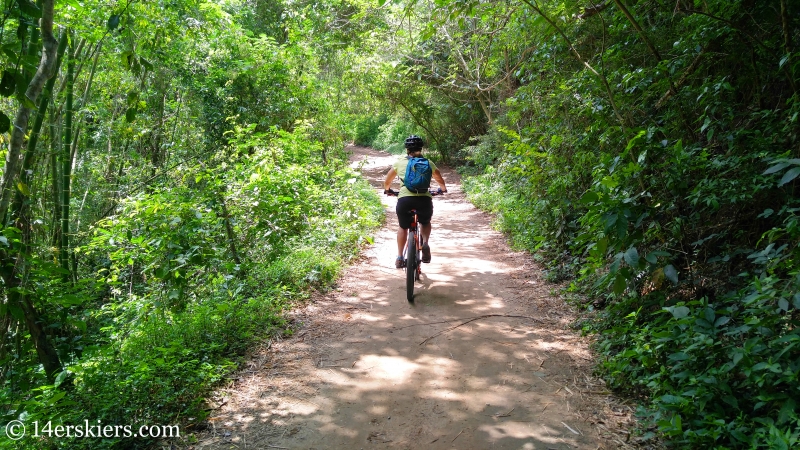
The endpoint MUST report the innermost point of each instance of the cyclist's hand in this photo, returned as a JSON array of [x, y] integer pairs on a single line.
[[389, 192]]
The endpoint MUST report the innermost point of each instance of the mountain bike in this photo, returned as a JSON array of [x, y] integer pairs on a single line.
[[412, 258]]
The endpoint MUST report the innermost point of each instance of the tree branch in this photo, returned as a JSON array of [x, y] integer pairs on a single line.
[[638, 28], [594, 9], [581, 60]]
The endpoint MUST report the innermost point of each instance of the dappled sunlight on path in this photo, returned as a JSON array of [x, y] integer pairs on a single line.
[[482, 359]]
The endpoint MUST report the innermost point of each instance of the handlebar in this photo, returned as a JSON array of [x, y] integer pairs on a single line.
[[392, 193]]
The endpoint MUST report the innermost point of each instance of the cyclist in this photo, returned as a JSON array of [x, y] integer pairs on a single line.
[[407, 200]]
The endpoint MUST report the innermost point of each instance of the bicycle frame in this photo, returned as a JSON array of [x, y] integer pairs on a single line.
[[413, 256]]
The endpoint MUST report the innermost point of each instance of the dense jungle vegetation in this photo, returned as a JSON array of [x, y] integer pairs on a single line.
[[174, 178], [646, 151]]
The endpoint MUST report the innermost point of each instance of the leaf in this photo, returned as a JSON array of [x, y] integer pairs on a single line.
[[8, 84], [589, 197], [58, 396], [61, 377], [619, 284], [635, 140], [796, 301], [632, 257], [132, 98], [721, 321], [679, 312], [671, 274], [27, 102], [737, 357], [611, 220], [679, 356], [789, 176], [126, 58], [783, 60], [783, 304], [787, 411], [147, 64], [767, 212], [80, 324], [739, 436], [710, 315], [676, 420], [113, 22], [161, 272], [671, 399], [24, 189], [29, 8], [17, 312], [731, 400], [5, 123], [775, 168], [130, 114]]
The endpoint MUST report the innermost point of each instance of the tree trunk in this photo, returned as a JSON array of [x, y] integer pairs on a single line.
[[54, 174], [30, 152], [66, 164], [229, 230], [13, 266], [20, 128]]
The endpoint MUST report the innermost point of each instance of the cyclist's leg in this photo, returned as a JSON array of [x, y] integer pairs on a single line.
[[425, 231], [425, 213], [402, 235], [403, 211]]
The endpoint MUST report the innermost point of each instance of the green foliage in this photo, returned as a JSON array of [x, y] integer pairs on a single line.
[[209, 193], [715, 372], [366, 129], [393, 133], [661, 180], [177, 311]]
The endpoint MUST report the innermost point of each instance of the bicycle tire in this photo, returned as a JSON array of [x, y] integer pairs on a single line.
[[411, 265], [418, 272]]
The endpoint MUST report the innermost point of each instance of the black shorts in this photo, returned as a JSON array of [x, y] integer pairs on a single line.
[[423, 205]]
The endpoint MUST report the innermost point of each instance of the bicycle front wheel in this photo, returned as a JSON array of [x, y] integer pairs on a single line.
[[411, 264]]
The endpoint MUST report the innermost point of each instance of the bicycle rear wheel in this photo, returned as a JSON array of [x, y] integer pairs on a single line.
[[418, 254], [411, 264]]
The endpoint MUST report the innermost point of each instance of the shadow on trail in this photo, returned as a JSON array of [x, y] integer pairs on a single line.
[[376, 371]]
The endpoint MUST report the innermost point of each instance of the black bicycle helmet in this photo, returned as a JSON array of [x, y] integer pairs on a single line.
[[414, 142]]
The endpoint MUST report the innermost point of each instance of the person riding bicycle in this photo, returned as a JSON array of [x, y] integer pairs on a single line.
[[407, 200]]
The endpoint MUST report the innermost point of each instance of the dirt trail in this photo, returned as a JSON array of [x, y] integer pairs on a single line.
[[366, 369]]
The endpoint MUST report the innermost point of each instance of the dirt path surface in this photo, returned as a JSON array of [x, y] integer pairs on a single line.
[[484, 358]]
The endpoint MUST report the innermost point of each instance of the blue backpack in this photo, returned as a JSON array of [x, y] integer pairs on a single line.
[[418, 175]]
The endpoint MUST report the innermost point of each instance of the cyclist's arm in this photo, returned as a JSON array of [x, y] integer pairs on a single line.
[[439, 179], [387, 183]]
